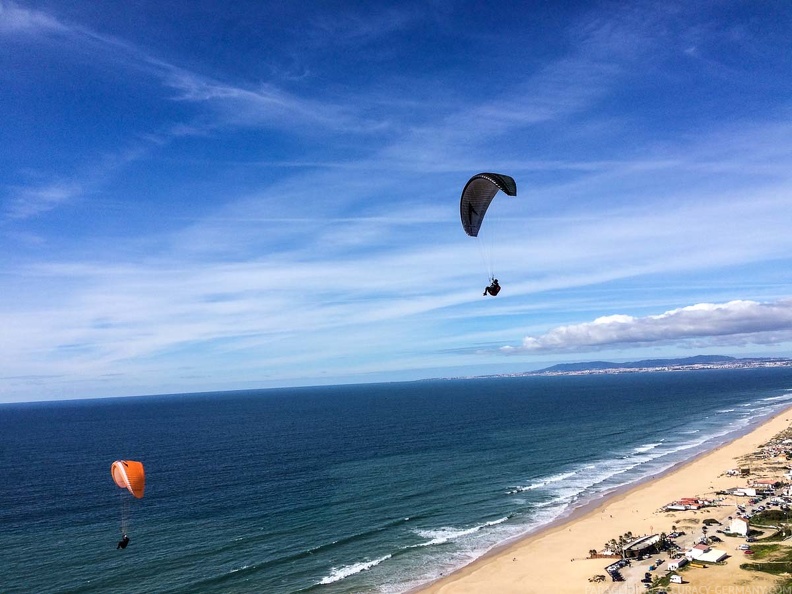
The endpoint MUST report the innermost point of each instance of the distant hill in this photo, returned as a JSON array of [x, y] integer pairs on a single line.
[[646, 363]]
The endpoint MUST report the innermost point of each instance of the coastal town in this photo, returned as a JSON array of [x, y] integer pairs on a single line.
[[697, 363], [688, 364], [719, 522], [735, 532]]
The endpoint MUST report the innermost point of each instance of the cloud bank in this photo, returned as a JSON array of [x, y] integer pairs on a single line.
[[703, 324]]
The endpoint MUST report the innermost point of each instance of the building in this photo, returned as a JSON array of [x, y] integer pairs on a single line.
[[641, 546], [765, 484], [687, 503], [739, 526], [676, 564], [705, 554]]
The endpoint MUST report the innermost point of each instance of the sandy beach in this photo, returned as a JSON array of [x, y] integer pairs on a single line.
[[555, 559]]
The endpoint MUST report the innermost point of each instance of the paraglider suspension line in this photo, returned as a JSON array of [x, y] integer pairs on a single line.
[[124, 503]]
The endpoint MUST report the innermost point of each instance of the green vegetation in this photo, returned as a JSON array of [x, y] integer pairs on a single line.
[[779, 535], [771, 567], [770, 517], [783, 587], [762, 552], [773, 559], [661, 582], [773, 517]]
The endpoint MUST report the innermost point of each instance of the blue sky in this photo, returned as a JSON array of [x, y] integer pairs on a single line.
[[203, 196]]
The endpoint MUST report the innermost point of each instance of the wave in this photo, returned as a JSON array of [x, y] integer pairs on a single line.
[[647, 447], [340, 573], [543, 482], [446, 534], [593, 480], [243, 568], [782, 397]]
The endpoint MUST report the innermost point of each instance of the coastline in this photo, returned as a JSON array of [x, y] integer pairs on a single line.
[[554, 557]]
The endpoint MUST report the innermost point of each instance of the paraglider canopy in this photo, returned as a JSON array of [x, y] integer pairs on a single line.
[[477, 195], [129, 474]]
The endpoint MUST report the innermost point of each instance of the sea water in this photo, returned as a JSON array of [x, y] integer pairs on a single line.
[[345, 489]]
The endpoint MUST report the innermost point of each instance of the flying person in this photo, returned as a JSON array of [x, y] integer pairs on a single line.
[[477, 196], [493, 289], [130, 476]]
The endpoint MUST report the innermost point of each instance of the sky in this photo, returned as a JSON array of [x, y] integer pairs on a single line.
[[219, 196]]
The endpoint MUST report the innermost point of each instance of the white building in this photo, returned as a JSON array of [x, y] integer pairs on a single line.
[[739, 526], [676, 564], [705, 554]]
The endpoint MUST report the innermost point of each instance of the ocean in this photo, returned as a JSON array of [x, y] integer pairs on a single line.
[[346, 489]]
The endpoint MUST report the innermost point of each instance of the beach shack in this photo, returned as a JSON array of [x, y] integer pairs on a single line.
[[688, 503], [641, 546], [675, 507], [683, 504], [764, 484], [739, 526], [676, 564]]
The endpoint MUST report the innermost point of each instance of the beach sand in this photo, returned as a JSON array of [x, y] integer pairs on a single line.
[[554, 559]]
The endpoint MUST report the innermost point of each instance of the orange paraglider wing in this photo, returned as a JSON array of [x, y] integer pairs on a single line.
[[129, 474]]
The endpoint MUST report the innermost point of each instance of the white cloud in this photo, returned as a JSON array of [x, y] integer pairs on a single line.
[[29, 202], [15, 19], [735, 322], [266, 105]]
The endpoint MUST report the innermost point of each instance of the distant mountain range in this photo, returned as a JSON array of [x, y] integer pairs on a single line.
[[697, 362], [592, 365]]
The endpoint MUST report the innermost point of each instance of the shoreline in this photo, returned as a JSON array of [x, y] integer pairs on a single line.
[[524, 564]]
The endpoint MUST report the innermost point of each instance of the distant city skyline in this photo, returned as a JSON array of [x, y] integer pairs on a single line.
[[264, 194]]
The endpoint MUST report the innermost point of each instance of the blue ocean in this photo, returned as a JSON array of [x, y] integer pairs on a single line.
[[346, 489]]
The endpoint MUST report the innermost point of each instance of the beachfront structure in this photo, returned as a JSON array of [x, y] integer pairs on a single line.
[[705, 554], [642, 545], [676, 564], [739, 526], [675, 507], [764, 484], [687, 503]]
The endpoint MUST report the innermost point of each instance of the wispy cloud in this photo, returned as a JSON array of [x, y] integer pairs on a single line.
[[254, 105], [32, 201], [732, 323], [265, 105], [349, 27], [15, 19], [265, 227]]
